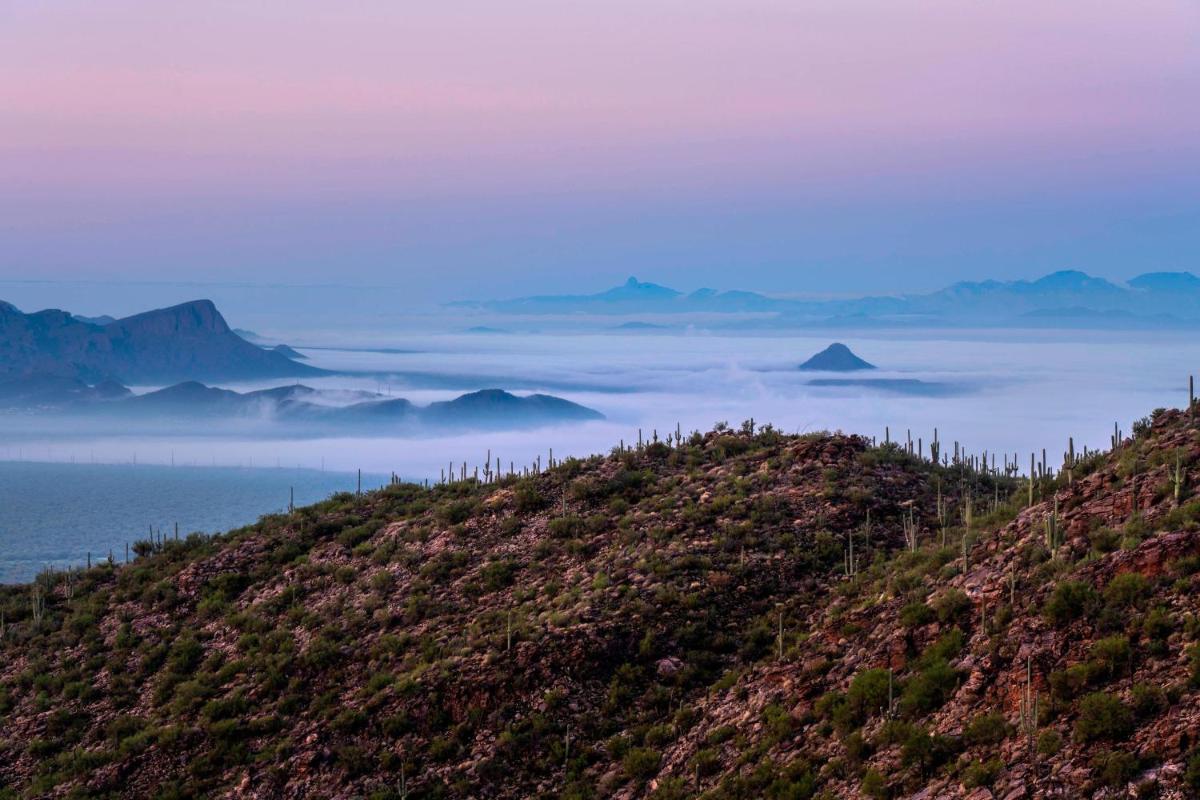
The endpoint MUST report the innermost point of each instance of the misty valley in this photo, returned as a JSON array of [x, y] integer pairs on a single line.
[[504, 389]]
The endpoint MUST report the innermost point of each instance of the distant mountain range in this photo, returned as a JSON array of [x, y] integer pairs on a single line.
[[185, 342], [317, 410], [1062, 299], [632, 297]]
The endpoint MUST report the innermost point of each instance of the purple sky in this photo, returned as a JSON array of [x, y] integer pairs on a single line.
[[485, 148]]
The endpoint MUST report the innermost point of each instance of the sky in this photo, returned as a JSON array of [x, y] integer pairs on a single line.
[[469, 148]]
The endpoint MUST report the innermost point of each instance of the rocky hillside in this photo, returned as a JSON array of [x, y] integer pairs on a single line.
[[736, 615]]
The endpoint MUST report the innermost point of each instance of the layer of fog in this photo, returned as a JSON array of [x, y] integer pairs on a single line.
[[1017, 394]]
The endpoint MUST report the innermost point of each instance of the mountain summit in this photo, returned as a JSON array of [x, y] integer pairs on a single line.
[[190, 341], [836, 358]]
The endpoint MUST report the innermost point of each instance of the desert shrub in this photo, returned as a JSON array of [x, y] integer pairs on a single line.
[[924, 751], [1157, 625], [981, 773], [779, 723], [874, 785], [641, 763], [1104, 540], [953, 607], [1049, 743], [456, 511], [987, 729], [185, 655], [1068, 683], [929, 689], [660, 735], [1110, 656], [857, 748], [868, 693], [1070, 600], [1103, 716], [706, 762], [566, 527], [1191, 774], [1148, 700], [1126, 590], [357, 534], [914, 615], [1115, 768], [498, 575], [527, 498], [948, 645]]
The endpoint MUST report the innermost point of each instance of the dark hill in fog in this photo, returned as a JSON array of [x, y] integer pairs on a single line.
[[836, 358], [310, 410], [190, 341]]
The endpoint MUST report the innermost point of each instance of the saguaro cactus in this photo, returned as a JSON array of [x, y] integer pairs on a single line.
[[1053, 534], [909, 522], [1178, 479], [1028, 707]]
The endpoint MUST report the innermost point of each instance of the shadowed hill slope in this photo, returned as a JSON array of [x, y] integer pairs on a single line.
[[190, 341], [742, 615]]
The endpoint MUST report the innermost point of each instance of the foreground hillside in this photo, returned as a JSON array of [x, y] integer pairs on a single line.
[[676, 621]]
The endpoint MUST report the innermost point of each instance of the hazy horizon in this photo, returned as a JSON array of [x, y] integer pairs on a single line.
[[467, 150]]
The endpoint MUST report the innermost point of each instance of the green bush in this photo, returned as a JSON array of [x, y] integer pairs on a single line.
[[1071, 600], [1111, 656], [1157, 625], [1148, 700], [706, 762], [874, 785], [527, 498], [497, 575], [456, 511], [1066, 684], [1191, 775], [981, 773], [924, 751], [779, 723], [1115, 769], [987, 729], [641, 763], [953, 607], [914, 615], [566, 527], [868, 693], [1127, 590], [929, 689], [1049, 743], [1103, 716], [948, 645], [1104, 540]]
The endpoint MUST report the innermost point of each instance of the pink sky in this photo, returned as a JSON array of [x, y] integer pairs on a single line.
[[124, 114]]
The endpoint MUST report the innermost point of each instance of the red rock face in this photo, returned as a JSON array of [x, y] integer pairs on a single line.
[[685, 624]]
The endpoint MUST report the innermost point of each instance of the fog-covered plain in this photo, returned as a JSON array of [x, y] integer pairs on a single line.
[[1003, 391]]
